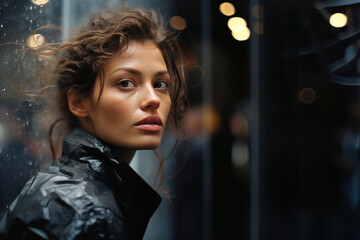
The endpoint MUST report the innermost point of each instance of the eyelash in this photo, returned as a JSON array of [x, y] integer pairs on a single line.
[[165, 83], [131, 82], [125, 81]]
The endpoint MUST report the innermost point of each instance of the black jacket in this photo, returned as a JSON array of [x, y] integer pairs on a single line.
[[89, 193]]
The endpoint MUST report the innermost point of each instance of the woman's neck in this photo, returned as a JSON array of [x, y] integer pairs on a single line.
[[126, 155]]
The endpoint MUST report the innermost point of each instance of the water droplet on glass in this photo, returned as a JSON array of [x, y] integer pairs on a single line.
[[1, 25], [30, 7], [40, 11], [3, 89], [30, 20]]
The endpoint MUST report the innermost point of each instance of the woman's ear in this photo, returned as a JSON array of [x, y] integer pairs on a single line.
[[78, 104]]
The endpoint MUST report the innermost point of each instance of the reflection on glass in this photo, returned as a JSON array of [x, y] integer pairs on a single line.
[[35, 40]]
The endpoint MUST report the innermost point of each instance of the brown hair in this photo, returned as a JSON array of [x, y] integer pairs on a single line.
[[106, 34], [81, 59]]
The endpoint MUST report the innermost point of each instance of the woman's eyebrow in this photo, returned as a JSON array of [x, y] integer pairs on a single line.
[[163, 72], [127, 69], [136, 72]]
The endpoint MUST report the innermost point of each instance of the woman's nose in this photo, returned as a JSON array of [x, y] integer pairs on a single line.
[[151, 100]]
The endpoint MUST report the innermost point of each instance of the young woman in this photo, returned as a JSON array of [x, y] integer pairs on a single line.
[[118, 80]]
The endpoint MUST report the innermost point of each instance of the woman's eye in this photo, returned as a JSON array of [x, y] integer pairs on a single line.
[[126, 84], [161, 84]]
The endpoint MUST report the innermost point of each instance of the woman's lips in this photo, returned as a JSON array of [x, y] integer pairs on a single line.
[[150, 124]]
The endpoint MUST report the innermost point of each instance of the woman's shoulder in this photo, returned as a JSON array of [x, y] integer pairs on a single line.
[[68, 184], [60, 201]]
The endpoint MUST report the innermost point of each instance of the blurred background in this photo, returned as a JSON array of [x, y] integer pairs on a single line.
[[273, 124]]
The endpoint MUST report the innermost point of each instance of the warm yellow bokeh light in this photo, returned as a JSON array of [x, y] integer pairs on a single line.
[[242, 35], [307, 95], [338, 20], [236, 24], [35, 40], [178, 23], [211, 119], [40, 2], [227, 9]]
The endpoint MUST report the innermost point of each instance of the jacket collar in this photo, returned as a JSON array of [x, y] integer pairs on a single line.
[[135, 197]]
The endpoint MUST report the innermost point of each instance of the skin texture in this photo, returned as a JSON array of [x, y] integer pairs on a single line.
[[135, 87]]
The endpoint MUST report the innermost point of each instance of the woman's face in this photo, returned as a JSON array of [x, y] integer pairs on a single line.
[[135, 102]]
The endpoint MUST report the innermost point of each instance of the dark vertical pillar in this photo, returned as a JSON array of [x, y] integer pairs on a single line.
[[207, 99], [255, 131]]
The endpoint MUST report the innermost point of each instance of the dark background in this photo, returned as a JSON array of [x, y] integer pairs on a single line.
[[300, 179]]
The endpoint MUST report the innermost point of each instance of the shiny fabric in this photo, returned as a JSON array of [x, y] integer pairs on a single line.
[[89, 193]]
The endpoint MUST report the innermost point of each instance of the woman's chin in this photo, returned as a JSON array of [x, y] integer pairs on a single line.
[[149, 146]]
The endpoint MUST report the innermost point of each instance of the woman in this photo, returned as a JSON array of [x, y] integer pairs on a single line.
[[118, 79]]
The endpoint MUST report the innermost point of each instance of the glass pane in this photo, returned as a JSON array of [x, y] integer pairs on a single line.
[[23, 137]]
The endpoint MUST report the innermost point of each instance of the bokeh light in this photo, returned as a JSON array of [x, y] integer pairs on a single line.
[[40, 2], [35, 40], [227, 9], [257, 11], [178, 23], [338, 20], [237, 24], [211, 119], [307, 95], [258, 27], [241, 35]]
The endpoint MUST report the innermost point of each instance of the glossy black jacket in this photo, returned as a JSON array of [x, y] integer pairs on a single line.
[[89, 193]]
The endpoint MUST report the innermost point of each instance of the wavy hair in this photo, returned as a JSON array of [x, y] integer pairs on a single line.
[[82, 58]]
